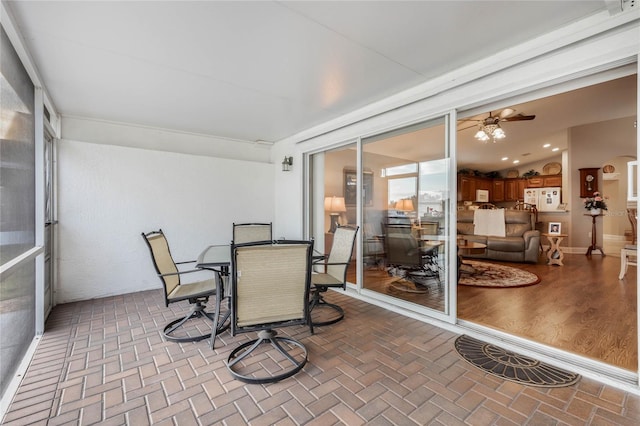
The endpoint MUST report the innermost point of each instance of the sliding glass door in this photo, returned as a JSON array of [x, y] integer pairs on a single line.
[[405, 217], [395, 186]]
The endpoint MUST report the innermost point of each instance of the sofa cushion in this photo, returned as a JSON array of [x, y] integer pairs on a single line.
[[505, 243], [465, 228]]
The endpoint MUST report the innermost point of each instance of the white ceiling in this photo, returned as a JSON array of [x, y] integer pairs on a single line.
[[263, 70]]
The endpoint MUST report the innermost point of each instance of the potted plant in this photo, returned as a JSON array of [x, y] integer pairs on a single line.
[[595, 204]]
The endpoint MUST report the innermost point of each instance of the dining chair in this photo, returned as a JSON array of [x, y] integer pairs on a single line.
[[629, 253], [196, 293], [252, 232], [408, 258], [333, 273], [535, 224], [270, 286]]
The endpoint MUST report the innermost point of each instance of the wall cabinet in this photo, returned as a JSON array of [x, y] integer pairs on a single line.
[[535, 182], [552, 180], [467, 186], [544, 181], [514, 189], [509, 189], [497, 190]]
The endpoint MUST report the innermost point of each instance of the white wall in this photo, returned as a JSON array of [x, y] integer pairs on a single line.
[[591, 146], [108, 195]]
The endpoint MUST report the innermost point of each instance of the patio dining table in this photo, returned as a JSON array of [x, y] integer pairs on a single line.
[[215, 257]]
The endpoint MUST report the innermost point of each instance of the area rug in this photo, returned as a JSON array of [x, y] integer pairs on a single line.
[[512, 366], [494, 275]]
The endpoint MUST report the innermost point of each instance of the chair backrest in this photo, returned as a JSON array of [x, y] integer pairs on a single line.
[[251, 232], [162, 260], [429, 228], [270, 284], [341, 250], [521, 205], [632, 214], [402, 247], [488, 206]]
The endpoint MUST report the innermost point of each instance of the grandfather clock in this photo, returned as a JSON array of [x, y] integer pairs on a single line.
[[588, 182]]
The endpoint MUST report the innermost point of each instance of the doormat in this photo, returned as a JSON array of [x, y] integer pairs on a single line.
[[484, 274], [512, 366]]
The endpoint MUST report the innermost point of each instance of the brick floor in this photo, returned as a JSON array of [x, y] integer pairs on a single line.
[[104, 361]]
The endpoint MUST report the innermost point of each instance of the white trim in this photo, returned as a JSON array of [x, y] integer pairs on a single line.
[[577, 66], [567, 37], [8, 23], [39, 167], [12, 388]]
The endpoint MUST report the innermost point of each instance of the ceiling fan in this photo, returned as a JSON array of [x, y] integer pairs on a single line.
[[490, 126]]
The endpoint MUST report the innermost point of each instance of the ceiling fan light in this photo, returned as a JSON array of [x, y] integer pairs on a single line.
[[481, 135], [499, 133]]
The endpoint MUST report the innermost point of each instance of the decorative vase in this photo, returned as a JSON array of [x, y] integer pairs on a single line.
[[595, 212]]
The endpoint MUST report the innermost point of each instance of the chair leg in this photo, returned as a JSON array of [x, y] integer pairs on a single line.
[[219, 326], [623, 264], [266, 337], [317, 301], [197, 311]]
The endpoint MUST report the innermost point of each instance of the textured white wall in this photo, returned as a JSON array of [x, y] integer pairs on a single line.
[[108, 195]]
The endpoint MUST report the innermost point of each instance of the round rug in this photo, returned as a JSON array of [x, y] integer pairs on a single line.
[[512, 366], [494, 275]]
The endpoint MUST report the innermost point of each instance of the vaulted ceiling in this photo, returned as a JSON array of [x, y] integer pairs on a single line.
[[262, 70]]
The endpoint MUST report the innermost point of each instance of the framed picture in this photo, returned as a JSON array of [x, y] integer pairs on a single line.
[[351, 187], [555, 228], [562, 206]]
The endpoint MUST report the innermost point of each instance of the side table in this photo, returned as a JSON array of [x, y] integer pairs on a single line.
[[593, 245], [555, 240]]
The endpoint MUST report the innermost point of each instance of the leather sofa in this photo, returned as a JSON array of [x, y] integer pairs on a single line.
[[521, 243]]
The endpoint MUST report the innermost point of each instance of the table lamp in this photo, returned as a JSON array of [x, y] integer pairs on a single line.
[[335, 206], [405, 205]]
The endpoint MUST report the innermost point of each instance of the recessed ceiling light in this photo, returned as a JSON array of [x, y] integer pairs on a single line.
[[516, 161], [505, 158], [555, 149], [546, 145]]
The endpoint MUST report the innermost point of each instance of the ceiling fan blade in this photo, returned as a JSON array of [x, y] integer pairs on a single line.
[[506, 112], [519, 117]]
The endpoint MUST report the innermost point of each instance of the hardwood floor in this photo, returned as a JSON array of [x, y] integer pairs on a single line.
[[580, 307]]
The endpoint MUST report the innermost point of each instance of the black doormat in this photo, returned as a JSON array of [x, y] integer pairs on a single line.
[[512, 366]]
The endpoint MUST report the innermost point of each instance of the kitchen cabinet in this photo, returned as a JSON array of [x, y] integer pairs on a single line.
[[544, 181], [552, 180], [497, 191], [514, 189], [503, 189], [535, 182], [467, 186]]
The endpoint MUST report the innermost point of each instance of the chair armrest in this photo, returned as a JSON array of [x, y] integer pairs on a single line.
[[336, 263], [183, 272], [325, 264], [186, 261]]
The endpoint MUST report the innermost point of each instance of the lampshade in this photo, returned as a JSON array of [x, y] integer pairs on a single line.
[[405, 205], [486, 131], [334, 204]]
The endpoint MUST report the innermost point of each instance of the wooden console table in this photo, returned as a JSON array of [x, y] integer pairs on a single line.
[[593, 245], [555, 240]]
